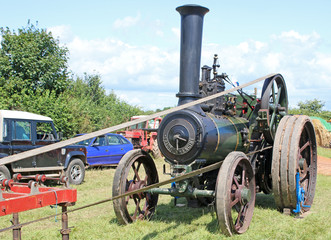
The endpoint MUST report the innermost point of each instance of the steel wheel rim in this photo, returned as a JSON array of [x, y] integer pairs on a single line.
[[235, 194], [295, 152], [305, 161]]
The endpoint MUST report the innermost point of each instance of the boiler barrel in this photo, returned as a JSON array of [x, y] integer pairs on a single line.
[[231, 134], [186, 135]]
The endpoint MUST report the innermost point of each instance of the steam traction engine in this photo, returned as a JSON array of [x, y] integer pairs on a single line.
[[261, 148]]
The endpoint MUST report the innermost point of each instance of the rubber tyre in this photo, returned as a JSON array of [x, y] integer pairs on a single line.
[[76, 171], [4, 173]]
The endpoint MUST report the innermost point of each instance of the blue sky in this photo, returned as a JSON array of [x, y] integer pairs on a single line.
[[134, 45]]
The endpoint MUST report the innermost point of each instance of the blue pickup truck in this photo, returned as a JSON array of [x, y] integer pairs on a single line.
[[22, 131]]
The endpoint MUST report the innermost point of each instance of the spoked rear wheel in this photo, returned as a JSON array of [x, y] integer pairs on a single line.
[[235, 194], [135, 170], [294, 152]]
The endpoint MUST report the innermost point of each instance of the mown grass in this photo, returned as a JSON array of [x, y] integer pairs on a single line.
[[325, 152], [169, 222]]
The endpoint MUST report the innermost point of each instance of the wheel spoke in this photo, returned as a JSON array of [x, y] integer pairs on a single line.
[[278, 96], [304, 146], [136, 174], [274, 113], [234, 202], [136, 170], [127, 199], [235, 181], [273, 92], [306, 176], [137, 209], [243, 177], [239, 222]]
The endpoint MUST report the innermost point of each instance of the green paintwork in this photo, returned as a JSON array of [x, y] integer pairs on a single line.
[[176, 192], [229, 137]]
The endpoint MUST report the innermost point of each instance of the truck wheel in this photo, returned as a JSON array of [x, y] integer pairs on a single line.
[[156, 151], [4, 173], [76, 171]]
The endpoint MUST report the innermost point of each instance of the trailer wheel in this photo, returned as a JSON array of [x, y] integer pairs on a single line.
[[75, 171], [135, 170], [235, 194], [4, 173], [294, 152]]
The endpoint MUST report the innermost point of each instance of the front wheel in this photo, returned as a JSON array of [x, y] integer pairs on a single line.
[[235, 194], [135, 170], [76, 171]]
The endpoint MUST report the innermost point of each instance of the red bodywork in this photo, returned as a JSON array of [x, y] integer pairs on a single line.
[[142, 135], [18, 198]]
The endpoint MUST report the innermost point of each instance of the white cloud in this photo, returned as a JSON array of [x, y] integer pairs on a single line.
[[273, 61], [127, 21], [148, 99], [148, 75], [63, 32], [295, 37], [123, 66], [176, 31], [297, 57]]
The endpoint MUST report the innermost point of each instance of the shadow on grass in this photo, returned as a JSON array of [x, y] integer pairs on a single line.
[[168, 213], [171, 214], [265, 201]]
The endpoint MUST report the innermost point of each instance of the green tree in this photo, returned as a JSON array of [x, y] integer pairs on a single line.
[[34, 77], [312, 106], [32, 59], [90, 86], [95, 109]]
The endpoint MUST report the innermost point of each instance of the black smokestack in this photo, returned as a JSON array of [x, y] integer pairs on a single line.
[[190, 51]]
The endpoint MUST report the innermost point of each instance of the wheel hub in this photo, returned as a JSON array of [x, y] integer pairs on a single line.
[[243, 194], [303, 164], [136, 185]]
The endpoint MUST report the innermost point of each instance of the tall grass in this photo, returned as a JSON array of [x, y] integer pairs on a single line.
[[170, 222]]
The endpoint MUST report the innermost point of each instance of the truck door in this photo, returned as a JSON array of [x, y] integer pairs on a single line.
[[21, 140], [45, 135]]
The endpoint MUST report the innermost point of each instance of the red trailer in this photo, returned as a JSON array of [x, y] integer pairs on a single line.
[[18, 196]]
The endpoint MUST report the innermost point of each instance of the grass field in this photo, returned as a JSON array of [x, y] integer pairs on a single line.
[[169, 222], [325, 152]]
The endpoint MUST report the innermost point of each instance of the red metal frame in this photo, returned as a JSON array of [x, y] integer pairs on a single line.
[[17, 197], [20, 199]]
